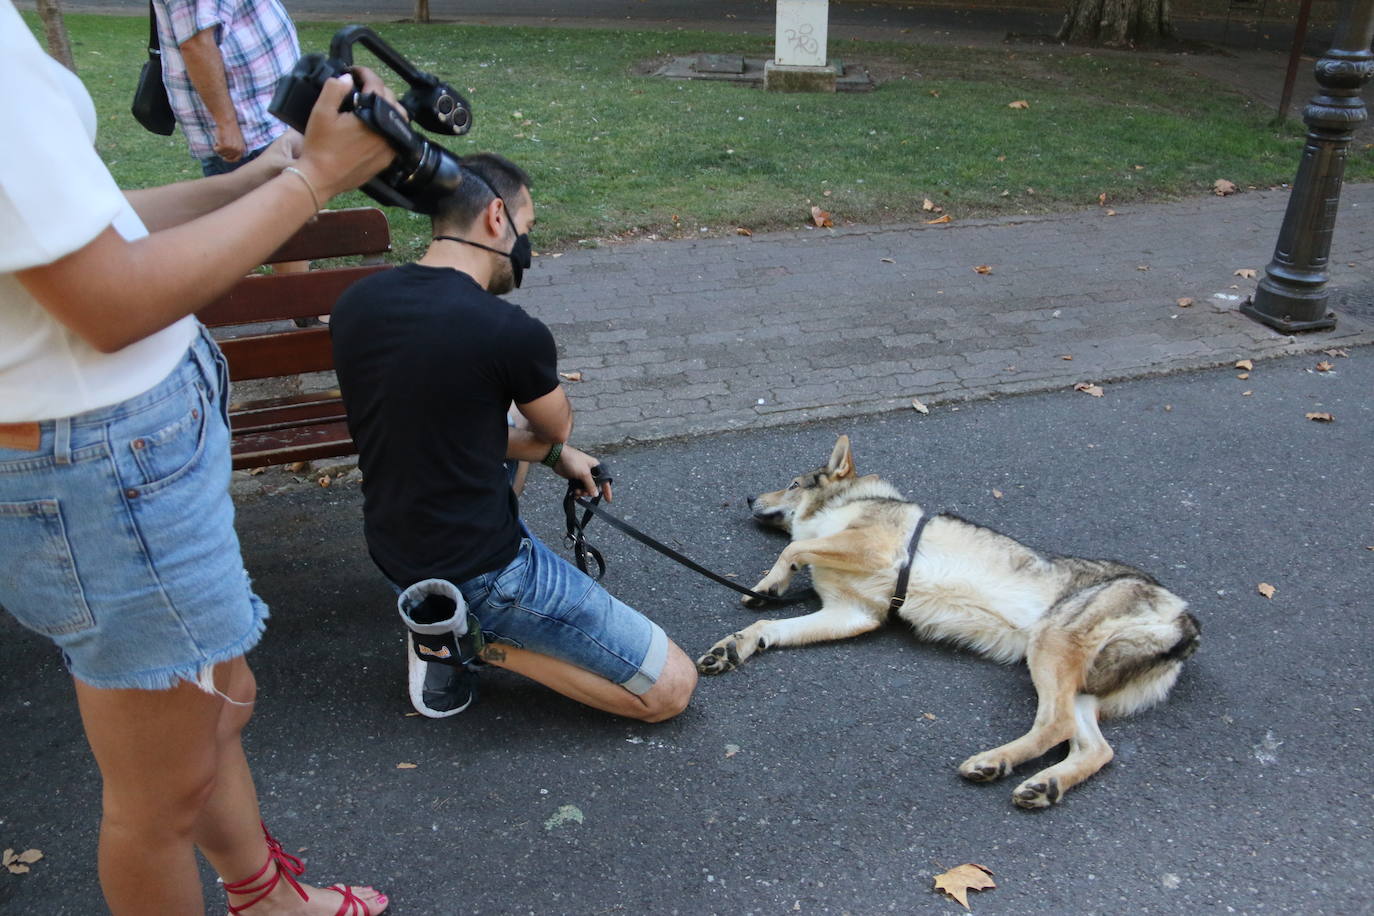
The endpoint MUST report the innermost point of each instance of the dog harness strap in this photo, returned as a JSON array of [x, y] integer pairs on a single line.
[[899, 594]]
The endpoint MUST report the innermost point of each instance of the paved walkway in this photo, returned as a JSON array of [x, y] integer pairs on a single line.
[[683, 338]]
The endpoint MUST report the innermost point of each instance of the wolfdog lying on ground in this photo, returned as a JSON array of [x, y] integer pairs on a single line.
[[1100, 638]]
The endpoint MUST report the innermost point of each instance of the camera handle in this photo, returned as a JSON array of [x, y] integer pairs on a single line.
[[435, 104]]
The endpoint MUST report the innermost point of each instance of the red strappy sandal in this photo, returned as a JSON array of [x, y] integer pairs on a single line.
[[284, 865]]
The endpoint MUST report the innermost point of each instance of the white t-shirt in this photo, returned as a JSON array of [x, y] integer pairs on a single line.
[[56, 196]]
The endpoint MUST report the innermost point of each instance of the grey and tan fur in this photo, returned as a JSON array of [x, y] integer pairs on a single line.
[[1100, 638]]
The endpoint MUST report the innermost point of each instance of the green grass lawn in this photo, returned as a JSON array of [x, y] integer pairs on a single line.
[[616, 154]]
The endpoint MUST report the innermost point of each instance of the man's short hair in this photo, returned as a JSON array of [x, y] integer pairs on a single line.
[[494, 176]]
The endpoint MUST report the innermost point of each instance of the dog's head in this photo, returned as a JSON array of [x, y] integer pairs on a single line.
[[806, 491]]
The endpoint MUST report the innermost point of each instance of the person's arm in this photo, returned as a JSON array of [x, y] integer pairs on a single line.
[[573, 463], [205, 67], [550, 417], [114, 292], [173, 204]]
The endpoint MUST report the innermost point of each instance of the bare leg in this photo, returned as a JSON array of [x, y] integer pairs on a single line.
[[1088, 753], [667, 698], [174, 773]]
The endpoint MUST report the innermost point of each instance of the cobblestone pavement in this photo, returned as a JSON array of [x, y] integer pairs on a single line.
[[681, 338]]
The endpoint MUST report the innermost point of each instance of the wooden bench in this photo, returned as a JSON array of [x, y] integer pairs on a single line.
[[265, 341]]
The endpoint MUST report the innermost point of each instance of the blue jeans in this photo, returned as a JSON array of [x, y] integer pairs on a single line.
[[215, 165], [545, 604], [117, 534]]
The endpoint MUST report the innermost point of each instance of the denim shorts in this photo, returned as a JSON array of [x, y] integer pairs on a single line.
[[545, 604], [117, 535]]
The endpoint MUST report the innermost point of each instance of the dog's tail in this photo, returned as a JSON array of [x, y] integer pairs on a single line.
[[1140, 670]]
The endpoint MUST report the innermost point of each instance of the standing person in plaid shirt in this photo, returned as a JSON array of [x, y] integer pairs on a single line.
[[220, 61]]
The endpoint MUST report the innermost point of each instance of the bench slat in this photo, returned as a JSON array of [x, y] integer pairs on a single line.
[[277, 297], [283, 353], [303, 443], [359, 230], [284, 416]]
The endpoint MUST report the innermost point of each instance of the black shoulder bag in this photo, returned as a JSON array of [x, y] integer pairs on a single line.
[[151, 107]]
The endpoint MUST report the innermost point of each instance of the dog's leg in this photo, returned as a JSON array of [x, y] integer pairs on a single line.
[[853, 549], [1088, 753], [1056, 665], [827, 623]]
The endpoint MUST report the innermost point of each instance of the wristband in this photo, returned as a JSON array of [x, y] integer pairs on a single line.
[[314, 198], [555, 452]]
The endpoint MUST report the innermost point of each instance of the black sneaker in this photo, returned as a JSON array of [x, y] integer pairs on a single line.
[[437, 690]]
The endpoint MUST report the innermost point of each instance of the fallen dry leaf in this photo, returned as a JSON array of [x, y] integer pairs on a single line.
[[324, 481], [1265, 589], [740, 230], [254, 472], [1003, 158], [931, 715], [1019, 105], [961, 879], [1111, 213], [572, 376], [1242, 375], [731, 750], [1246, 393], [887, 260], [983, 269], [1244, 364], [1324, 366], [927, 204], [1088, 388], [1322, 417], [1102, 199], [1221, 187], [935, 93], [296, 467], [1185, 302], [920, 408], [1142, 267], [19, 864], [996, 494], [821, 218], [940, 219], [1335, 352], [1067, 357], [1246, 273], [406, 766]]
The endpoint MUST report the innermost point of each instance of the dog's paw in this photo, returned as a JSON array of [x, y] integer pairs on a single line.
[[984, 769], [723, 657], [751, 601], [1037, 793]]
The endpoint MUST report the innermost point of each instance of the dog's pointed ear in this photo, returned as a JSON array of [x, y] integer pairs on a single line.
[[841, 459]]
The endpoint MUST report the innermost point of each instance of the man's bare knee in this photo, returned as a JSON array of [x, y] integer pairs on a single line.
[[671, 694]]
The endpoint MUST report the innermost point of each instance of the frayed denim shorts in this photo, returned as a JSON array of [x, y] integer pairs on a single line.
[[117, 535], [541, 602]]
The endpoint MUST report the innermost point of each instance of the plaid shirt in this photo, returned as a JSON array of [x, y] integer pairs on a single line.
[[258, 43]]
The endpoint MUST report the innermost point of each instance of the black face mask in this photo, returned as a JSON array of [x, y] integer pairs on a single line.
[[519, 254]]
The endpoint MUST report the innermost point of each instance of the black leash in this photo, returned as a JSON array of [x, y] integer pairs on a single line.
[[576, 539]]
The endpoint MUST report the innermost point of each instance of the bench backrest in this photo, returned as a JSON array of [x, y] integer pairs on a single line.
[[261, 349]]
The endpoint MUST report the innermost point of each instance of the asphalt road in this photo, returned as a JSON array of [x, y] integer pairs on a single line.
[[812, 780]]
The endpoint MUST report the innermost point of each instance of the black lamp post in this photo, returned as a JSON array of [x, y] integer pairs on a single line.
[[1292, 296]]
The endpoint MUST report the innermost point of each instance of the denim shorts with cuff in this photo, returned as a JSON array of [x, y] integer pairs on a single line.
[[117, 535], [541, 602]]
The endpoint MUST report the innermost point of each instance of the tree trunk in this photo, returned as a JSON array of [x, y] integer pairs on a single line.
[[55, 29], [1117, 23], [422, 10]]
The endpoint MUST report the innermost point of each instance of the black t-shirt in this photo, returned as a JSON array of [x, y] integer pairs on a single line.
[[428, 363]]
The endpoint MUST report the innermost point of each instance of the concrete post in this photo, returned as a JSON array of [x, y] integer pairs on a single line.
[[799, 61]]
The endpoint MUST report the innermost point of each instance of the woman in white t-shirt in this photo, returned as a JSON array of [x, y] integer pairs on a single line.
[[116, 526]]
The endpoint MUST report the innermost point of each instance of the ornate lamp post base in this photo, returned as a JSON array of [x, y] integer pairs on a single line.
[[1292, 296]]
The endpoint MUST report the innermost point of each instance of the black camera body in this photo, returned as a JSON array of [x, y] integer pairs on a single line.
[[423, 172]]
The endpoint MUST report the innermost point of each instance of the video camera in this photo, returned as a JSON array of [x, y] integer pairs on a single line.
[[422, 172]]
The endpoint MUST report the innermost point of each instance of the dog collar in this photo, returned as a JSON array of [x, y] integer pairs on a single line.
[[899, 594]]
